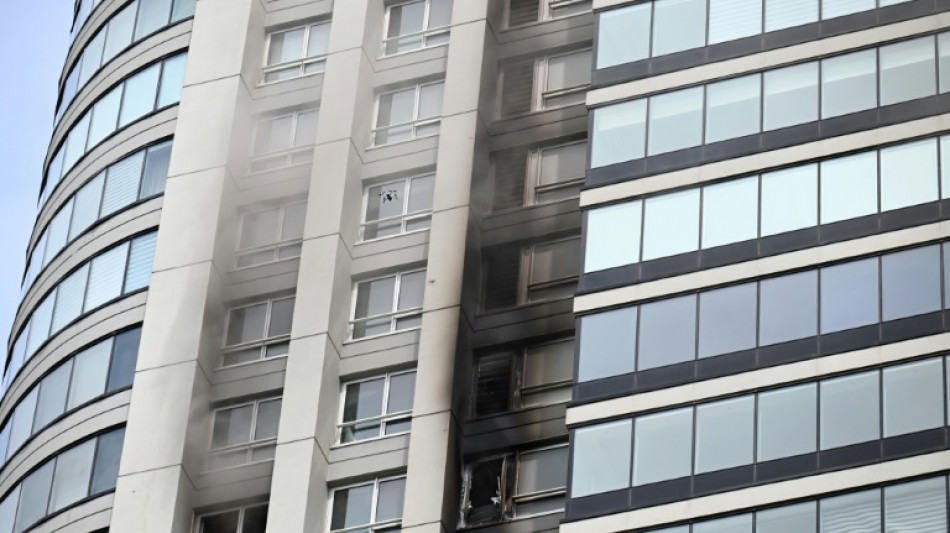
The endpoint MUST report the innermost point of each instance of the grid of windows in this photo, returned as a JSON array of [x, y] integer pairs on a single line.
[[247, 519], [132, 23], [99, 370], [83, 471], [151, 88], [373, 506], [534, 375], [408, 113], [836, 414], [377, 406], [416, 24], [296, 52], [284, 140], [775, 310], [136, 178], [777, 98], [397, 207], [271, 234], [120, 270], [388, 304], [660, 27], [790, 199], [258, 331], [244, 433]]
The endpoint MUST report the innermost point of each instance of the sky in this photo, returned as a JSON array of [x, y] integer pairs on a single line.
[[34, 37]]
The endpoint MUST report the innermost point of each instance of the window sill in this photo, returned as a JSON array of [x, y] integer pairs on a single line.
[[391, 237], [384, 56], [343, 445], [267, 84], [375, 147], [351, 340]]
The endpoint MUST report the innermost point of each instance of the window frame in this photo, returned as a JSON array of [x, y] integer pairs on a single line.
[[301, 63], [394, 315], [384, 419], [405, 218], [277, 246], [540, 93], [264, 342], [425, 34], [199, 519], [251, 445], [525, 283], [372, 526], [546, 10], [533, 187], [414, 124], [287, 154]]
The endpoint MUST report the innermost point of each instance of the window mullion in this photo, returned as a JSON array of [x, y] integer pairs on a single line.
[[374, 502]]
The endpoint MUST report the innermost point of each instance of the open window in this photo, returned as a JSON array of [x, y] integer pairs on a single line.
[[244, 433], [514, 485], [247, 519], [530, 376], [258, 331]]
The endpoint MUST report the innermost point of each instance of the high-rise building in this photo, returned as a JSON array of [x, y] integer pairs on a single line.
[[302, 266], [762, 313]]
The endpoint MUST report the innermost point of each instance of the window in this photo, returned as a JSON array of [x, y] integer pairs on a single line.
[[663, 447], [296, 52], [408, 113], [531, 376], [676, 120], [258, 331], [859, 511], [397, 207], [388, 304], [271, 234], [848, 84], [916, 506], [678, 25], [284, 140], [376, 407], [414, 25], [732, 108], [249, 519], [549, 270], [791, 96], [906, 388], [624, 35], [850, 410], [601, 458], [787, 422], [565, 79], [244, 433], [667, 332], [528, 11], [724, 434], [559, 174], [513, 485], [727, 319], [376, 505], [608, 344], [619, 133], [613, 236]]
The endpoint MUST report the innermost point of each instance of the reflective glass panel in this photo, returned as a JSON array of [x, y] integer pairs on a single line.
[[667, 332], [624, 35], [789, 199], [800, 518], [138, 99], [907, 70], [663, 446], [671, 224], [910, 282], [676, 119], [734, 19], [678, 25], [730, 212], [613, 236], [859, 511], [732, 106], [787, 422], [725, 434], [909, 174], [608, 344], [848, 83], [601, 458], [913, 397], [619, 133], [850, 410], [791, 95], [848, 187], [919, 506], [849, 295], [727, 319]]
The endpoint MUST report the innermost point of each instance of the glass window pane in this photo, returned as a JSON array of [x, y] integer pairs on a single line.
[[542, 470], [848, 83], [119, 34], [943, 47], [663, 447], [319, 39], [920, 506], [608, 344], [730, 524], [619, 133], [106, 469], [791, 96], [734, 19], [124, 356], [910, 282], [281, 317], [730, 212], [273, 135], [375, 297], [268, 419], [8, 510], [568, 71], [153, 14], [800, 518], [69, 298], [182, 10], [122, 183], [86, 206], [363, 400], [788, 422], [52, 397], [837, 8], [259, 229], [562, 163], [724, 434], [849, 295], [57, 232], [352, 507], [39, 324], [305, 131], [848, 187], [909, 174], [671, 224], [285, 46], [76, 142], [860, 511], [246, 324], [430, 99], [732, 107], [91, 58], [554, 261], [676, 118], [173, 78], [613, 236], [727, 319], [390, 500], [232, 426], [156, 170], [22, 426], [396, 107], [907, 70], [678, 25], [601, 458], [90, 370], [913, 397], [789, 199], [139, 271], [850, 410], [624, 35], [71, 477], [139, 96], [221, 522], [292, 225], [440, 13], [421, 190], [411, 290], [106, 277], [402, 387], [34, 496], [104, 116], [667, 332], [405, 18]]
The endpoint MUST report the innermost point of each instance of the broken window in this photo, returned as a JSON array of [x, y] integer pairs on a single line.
[[514, 485], [377, 406], [249, 519], [531, 376]]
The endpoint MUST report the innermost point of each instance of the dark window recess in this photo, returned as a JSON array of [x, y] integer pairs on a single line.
[[487, 484], [522, 12], [517, 82], [510, 171], [500, 286], [493, 384]]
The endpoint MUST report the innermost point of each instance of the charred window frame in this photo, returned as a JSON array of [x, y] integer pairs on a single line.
[[549, 270], [547, 82], [521, 378], [514, 485]]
